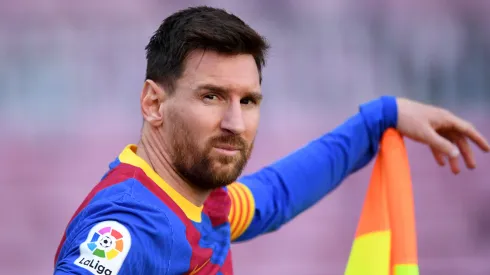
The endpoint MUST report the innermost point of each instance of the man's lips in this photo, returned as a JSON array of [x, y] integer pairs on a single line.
[[228, 147]]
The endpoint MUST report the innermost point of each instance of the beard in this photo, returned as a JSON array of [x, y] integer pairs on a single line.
[[198, 166]]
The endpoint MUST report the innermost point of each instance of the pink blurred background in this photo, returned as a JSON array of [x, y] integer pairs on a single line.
[[71, 73]]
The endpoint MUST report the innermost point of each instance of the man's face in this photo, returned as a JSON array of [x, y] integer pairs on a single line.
[[211, 119]]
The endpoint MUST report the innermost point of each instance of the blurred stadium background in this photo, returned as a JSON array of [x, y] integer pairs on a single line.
[[71, 73]]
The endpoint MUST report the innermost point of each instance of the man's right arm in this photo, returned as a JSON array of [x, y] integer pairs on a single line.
[[117, 237], [267, 199]]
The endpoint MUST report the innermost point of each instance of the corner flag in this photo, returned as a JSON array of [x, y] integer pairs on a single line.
[[386, 241]]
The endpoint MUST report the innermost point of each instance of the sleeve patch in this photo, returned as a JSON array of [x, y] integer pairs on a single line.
[[242, 209], [105, 248]]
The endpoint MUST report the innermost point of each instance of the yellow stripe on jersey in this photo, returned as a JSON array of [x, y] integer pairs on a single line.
[[242, 209]]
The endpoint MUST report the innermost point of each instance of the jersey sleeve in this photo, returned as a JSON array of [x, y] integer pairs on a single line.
[[265, 200], [116, 237]]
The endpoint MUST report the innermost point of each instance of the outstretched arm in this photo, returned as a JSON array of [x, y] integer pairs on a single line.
[[271, 197], [265, 200]]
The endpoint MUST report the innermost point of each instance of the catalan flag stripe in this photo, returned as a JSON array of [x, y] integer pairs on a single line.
[[242, 209], [241, 216], [234, 211]]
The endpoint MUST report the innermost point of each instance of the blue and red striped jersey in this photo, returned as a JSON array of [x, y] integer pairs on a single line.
[[133, 222]]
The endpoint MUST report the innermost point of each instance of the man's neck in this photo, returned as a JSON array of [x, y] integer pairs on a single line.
[[154, 153]]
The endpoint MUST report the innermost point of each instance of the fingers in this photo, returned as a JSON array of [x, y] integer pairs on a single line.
[[454, 164], [439, 157], [462, 144], [468, 130], [442, 145], [466, 151]]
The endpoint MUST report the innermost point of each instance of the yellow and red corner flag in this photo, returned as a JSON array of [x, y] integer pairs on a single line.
[[386, 241]]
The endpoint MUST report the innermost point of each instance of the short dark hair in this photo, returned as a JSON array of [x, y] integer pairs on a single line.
[[199, 28]]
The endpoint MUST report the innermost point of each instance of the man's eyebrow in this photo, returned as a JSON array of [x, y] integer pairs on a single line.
[[221, 90], [256, 96], [212, 88]]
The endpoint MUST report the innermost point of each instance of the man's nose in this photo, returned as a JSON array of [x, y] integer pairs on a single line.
[[233, 119]]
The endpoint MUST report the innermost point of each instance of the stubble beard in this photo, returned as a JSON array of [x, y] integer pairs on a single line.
[[200, 167]]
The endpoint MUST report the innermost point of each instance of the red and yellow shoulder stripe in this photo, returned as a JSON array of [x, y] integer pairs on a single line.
[[242, 208]]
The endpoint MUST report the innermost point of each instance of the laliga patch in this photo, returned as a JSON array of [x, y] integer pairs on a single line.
[[105, 249]]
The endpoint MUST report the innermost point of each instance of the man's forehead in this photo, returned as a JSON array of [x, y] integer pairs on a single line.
[[228, 71]]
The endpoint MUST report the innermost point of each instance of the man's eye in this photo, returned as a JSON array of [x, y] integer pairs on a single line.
[[247, 101], [210, 97]]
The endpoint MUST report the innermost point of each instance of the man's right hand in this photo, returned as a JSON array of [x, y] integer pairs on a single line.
[[445, 133]]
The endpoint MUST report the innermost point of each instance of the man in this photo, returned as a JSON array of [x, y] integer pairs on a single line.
[[172, 204]]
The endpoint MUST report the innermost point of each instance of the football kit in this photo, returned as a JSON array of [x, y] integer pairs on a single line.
[[133, 222]]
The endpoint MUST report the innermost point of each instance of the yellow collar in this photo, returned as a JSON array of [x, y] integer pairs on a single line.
[[128, 156]]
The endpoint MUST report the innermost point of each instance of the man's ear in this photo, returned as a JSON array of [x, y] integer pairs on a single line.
[[151, 100]]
